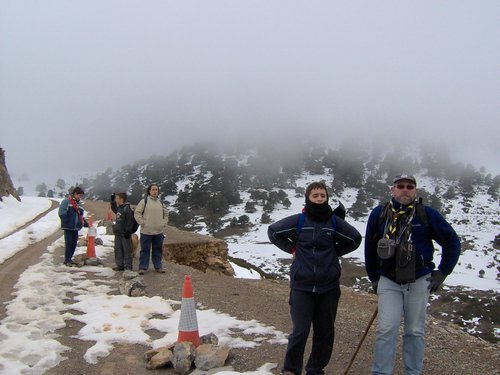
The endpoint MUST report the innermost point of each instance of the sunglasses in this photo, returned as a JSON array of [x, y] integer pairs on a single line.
[[408, 187]]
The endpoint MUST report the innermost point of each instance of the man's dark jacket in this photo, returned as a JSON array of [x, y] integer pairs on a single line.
[[317, 248], [124, 219], [440, 231]]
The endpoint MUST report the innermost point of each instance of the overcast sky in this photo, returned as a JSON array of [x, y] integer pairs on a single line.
[[91, 84]]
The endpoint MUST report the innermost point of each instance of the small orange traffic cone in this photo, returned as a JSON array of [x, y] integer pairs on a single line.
[[188, 322], [91, 239]]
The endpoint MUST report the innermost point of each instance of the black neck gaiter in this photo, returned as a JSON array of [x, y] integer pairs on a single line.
[[318, 212]]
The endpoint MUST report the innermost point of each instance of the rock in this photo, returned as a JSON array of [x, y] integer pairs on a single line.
[[129, 275], [210, 356], [98, 241], [79, 260], [496, 242], [150, 353], [209, 339], [132, 286], [93, 262], [6, 186], [203, 253], [183, 357], [161, 359]]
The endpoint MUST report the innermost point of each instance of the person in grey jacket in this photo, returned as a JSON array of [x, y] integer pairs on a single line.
[[122, 230], [316, 238], [152, 216]]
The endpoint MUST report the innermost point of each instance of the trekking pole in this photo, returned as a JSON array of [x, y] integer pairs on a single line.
[[362, 340]]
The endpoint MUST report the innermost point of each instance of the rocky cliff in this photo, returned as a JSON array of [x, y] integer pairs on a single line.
[[6, 186], [203, 253]]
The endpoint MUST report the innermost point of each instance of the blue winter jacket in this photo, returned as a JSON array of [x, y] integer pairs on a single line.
[[317, 247], [440, 231], [69, 217]]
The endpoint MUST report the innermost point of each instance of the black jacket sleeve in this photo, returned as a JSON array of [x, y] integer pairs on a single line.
[[347, 238], [447, 238], [371, 240], [283, 233], [129, 220], [114, 207]]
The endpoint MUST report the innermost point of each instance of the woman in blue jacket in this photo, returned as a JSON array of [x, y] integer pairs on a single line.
[[316, 238], [72, 220]]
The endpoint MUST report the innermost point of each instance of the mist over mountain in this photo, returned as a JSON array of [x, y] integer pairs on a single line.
[[203, 181]]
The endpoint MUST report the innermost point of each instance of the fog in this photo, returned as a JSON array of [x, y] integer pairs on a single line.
[[96, 84]]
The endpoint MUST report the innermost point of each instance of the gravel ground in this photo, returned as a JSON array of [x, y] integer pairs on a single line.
[[449, 350]]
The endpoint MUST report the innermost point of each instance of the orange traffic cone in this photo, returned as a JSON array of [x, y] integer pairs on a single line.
[[188, 323], [91, 239]]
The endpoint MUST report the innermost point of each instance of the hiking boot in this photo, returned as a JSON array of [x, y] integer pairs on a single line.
[[117, 268], [141, 272], [68, 264], [160, 270]]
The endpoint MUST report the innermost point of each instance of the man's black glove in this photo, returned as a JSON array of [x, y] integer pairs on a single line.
[[126, 235], [340, 211], [85, 223], [375, 286], [436, 279], [112, 197]]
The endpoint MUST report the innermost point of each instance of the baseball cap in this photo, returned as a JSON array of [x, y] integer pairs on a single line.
[[405, 177]]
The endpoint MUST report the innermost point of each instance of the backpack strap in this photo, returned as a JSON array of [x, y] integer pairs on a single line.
[[145, 203], [422, 215], [385, 213]]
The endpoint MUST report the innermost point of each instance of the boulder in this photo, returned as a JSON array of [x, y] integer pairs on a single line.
[[81, 260], [183, 357], [132, 285], [210, 356], [209, 339], [496, 242], [162, 358], [98, 241]]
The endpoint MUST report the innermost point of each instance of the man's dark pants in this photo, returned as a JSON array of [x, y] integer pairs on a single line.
[[70, 242], [123, 252], [320, 310]]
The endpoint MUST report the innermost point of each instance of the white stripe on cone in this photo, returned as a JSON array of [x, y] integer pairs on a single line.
[[188, 321]]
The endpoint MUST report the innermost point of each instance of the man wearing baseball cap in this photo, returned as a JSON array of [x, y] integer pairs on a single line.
[[399, 262]]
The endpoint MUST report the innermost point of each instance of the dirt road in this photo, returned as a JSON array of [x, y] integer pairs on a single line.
[[14, 266]]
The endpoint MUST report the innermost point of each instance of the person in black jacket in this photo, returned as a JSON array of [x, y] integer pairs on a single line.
[[123, 231], [316, 238]]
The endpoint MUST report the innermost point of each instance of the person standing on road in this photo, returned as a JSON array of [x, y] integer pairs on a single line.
[[152, 216], [399, 262], [122, 230], [316, 238], [72, 220]]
